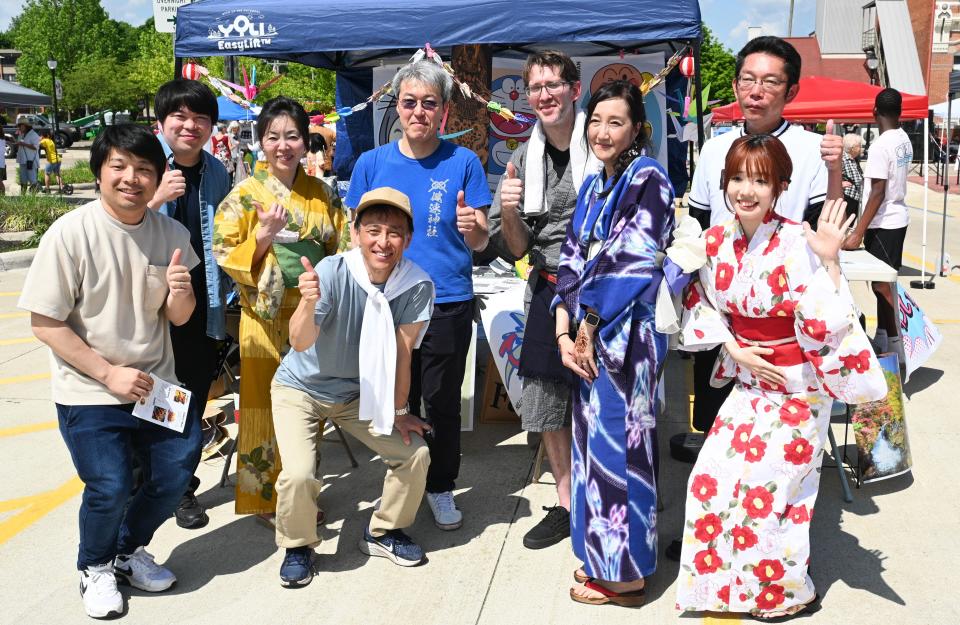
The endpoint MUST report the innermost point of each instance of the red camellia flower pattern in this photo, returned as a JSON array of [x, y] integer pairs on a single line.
[[770, 597], [773, 244], [704, 487], [858, 362], [743, 538], [692, 299], [768, 570], [797, 514], [798, 451], [815, 329], [724, 594], [741, 437], [755, 449], [707, 561], [713, 238], [740, 246], [777, 280], [707, 528], [794, 411], [758, 502], [785, 308], [724, 276]]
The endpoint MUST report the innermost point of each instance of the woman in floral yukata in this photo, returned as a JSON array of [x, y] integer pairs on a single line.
[[261, 230], [772, 294], [606, 282]]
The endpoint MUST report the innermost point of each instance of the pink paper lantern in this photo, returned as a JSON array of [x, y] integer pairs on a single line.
[[687, 66]]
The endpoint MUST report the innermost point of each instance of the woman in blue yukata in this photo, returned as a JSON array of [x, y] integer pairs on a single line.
[[606, 288]]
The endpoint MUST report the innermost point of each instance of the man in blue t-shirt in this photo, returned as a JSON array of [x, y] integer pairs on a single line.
[[360, 316], [448, 190]]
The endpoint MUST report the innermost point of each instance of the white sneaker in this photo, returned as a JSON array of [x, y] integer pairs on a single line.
[[445, 512], [140, 571], [98, 587]]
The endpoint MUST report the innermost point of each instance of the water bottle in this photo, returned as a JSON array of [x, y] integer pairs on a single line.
[[945, 269]]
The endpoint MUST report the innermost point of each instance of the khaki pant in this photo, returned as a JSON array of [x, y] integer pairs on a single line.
[[296, 420]]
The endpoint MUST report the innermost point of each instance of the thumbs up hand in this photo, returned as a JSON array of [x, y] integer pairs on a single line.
[[309, 282], [511, 189], [178, 277], [831, 148], [466, 215]]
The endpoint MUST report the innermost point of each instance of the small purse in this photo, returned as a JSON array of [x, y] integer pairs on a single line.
[[288, 257]]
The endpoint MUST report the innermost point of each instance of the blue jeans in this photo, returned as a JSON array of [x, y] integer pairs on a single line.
[[103, 441]]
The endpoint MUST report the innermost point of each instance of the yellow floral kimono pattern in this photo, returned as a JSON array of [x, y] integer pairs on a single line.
[[266, 307]]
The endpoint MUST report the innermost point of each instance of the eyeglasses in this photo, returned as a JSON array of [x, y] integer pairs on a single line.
[[427, 105], [553, 88], [766, 84]]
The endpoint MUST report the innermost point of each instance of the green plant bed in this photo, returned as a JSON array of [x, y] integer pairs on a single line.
[[76, 173], [30, 212]]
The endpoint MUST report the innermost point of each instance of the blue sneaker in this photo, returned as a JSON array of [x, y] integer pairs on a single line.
[[296, 570], [394, 545]]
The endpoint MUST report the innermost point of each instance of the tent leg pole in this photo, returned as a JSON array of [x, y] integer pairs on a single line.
[[922, 283], [946, 188]]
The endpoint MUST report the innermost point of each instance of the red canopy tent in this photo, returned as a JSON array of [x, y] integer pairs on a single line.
[[821, 99]]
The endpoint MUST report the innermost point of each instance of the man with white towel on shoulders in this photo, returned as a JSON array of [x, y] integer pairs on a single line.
[[361, 315]]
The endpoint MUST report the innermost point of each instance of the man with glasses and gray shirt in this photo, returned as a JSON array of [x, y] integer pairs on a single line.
[[531, 210], [448, 191]]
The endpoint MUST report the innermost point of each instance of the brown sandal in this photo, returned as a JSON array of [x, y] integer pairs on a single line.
[[632, 599]]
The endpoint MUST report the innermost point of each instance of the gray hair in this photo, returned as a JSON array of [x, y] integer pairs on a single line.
[[427, 73], [851, 140]]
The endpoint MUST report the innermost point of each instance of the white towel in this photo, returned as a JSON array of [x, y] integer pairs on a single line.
[[378, 338], [582, 162]]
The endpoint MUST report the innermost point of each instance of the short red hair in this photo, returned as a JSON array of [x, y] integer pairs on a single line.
[[759, 155]]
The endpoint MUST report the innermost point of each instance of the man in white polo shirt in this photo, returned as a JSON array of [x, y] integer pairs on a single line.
[[883, 225]]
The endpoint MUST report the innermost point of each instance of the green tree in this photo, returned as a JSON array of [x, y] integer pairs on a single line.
[[70, 31], [100, 83], [152, 62], [717, 64]]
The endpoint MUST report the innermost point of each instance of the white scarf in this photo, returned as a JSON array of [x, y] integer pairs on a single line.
[[378, 338], [582, 162]]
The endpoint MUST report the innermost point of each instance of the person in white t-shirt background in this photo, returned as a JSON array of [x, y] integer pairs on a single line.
[[883, 225]]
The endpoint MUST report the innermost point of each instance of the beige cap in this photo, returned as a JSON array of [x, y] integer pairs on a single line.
[[23, 120], [385, 195]]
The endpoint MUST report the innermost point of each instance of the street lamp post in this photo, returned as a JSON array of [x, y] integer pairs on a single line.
[[52, 64]]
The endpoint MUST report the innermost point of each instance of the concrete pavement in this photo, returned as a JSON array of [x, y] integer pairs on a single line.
[[885, 557]]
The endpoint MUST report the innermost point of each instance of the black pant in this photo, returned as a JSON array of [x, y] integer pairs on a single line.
[[706, 399], [196, 357], [437, 375]]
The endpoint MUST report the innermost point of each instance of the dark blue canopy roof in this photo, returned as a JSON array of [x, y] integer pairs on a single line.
[[353, 33]]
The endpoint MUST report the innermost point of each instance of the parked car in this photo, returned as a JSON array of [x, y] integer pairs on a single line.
[[64, 137]]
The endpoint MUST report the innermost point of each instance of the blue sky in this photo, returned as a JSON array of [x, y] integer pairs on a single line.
[[729, 26]]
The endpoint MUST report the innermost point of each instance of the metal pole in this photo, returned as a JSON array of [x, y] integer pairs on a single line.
[[790, 23], [923, 283], [56, 125], [946, 185], [696, 78]]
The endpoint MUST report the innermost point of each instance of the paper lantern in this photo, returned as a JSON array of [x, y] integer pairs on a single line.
[[190, 71], [687, 66]]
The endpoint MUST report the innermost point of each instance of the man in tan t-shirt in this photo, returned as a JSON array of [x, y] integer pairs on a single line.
[[107, 280]]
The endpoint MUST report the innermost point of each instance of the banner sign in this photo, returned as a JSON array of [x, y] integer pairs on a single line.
[[503, 321], [920, 336]]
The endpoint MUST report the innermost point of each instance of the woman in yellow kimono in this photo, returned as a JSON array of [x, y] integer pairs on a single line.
[[261, 230]]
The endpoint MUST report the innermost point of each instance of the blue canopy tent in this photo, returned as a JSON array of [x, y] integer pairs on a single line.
[[231, 111], [362, 33]]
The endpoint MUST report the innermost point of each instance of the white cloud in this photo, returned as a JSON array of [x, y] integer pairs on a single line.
[[134, 12]]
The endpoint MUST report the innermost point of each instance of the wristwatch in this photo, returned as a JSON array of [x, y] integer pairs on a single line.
[[403, 411], [592, 319]]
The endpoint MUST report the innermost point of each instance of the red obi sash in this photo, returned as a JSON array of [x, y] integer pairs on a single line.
[[776, 333]]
